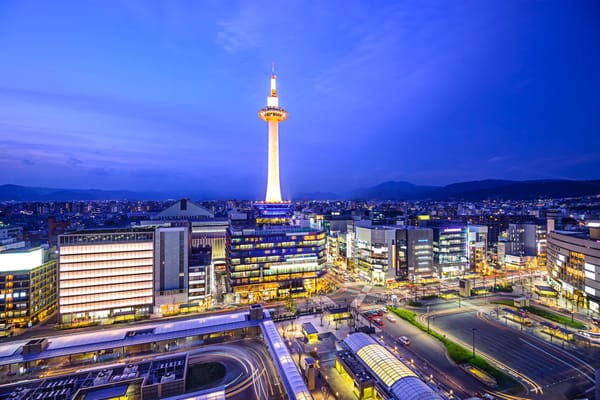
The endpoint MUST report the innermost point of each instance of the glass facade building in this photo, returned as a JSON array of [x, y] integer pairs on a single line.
[[450, 250], [278, 262], [574, 267], [414, 253]]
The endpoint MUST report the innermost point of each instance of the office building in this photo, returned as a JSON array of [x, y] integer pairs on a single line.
[[27, 286], [200, 272], [171, 252], [450, 250], [414, 253], [526, 243], [373, 259]]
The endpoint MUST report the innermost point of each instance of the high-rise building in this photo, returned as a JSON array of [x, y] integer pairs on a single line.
[[27, 285], [171, 252], [103, 274]]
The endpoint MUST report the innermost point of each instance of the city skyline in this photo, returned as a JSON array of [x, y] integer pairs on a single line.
[[163, 96]]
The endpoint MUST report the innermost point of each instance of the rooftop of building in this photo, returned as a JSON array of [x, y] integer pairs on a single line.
[[103, 230], [184, 209]]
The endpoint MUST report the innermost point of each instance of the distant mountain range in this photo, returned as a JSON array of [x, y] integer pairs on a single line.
[[25, 193], [470, 191]]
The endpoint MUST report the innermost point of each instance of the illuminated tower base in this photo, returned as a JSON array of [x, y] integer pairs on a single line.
[[272, 213]]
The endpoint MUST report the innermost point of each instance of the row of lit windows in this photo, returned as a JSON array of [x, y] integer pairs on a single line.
[[284, 277], [15, 295], [237, 275], [93, 274], [279, 244], [13, 314], [123, 255], [105, 248], [108, 297], [143, 299], [107, 287], [251, 267], [288, 270], [68, 266]]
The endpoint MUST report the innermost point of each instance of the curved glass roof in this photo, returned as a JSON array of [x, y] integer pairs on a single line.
[[387, 367], [400, 380]]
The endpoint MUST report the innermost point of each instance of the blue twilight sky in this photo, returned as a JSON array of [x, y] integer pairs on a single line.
[[150, 95]]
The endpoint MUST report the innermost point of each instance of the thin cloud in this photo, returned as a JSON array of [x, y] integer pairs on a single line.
[[73, 161], [242, 32]]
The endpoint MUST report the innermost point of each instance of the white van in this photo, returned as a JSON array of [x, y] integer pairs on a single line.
[[404, 340]]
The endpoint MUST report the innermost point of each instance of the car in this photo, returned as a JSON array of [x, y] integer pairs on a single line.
[[404, 340], [378, 322], [390, 318]]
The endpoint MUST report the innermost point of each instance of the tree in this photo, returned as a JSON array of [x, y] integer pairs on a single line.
[[290, 306]]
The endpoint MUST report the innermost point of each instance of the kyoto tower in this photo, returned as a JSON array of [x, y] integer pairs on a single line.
[[273, 114]]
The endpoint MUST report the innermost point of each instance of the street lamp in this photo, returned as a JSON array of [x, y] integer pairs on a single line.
[[473, 330]]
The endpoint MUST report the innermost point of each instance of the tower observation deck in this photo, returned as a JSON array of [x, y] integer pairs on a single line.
[[273, 114]]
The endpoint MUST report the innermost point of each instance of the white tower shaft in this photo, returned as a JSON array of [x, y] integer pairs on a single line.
[[273, 188], [273, 115]]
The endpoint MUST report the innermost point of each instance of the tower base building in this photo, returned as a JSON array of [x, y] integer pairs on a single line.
[[275, 263]]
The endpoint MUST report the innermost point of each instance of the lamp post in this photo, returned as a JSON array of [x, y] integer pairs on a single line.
[[473, 330], [428, 319]]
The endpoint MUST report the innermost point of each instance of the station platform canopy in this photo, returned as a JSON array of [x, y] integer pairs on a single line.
[[400, 381]]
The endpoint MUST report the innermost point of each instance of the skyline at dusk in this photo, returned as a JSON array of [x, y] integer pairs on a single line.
[[164, 95]]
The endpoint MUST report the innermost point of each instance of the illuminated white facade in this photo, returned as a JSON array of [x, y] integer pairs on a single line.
[[273, 114], [103, 274]]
